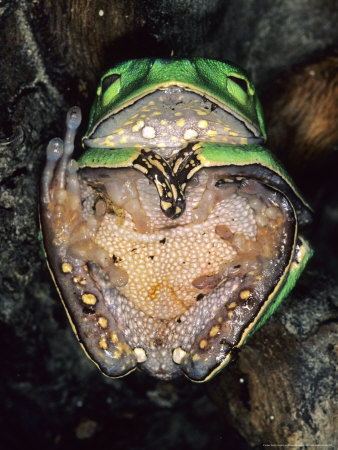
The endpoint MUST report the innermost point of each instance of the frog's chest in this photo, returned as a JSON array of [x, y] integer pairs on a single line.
[[167, 120]]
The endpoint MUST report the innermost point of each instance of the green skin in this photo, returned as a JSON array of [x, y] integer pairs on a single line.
[[201, 75], [229, 88]]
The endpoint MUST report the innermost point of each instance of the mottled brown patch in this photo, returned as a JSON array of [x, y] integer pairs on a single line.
[[224, 232]]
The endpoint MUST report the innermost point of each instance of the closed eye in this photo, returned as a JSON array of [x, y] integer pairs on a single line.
[[240, 83], [109, 80]]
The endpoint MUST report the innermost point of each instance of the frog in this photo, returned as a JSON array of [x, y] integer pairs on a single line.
[[176, 233]]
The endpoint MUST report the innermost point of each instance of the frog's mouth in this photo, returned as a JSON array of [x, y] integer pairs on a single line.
[[170, 118], [179, 295]]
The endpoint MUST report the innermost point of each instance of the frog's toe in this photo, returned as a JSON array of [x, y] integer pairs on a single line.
[[53, 155]]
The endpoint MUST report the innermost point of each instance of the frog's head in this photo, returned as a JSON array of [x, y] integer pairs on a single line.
[[165, 104]]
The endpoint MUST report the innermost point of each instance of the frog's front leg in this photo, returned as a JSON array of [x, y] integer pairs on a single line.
[[78, 265]]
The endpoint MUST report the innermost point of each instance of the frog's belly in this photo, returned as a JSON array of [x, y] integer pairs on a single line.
[[171, 265], [164, 266], [178, 288]]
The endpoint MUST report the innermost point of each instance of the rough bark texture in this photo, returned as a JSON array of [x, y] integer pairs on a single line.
[[283, 385], [281, 389]]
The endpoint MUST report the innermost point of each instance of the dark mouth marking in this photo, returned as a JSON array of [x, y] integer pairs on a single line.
[[170, 178]]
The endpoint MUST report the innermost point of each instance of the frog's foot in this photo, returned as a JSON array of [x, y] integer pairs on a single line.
[[68, 238]]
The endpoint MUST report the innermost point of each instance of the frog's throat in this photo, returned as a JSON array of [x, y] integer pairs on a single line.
[[170, 177]]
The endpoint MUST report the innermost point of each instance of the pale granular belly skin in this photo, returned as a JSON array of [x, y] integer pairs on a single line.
[[163, 264]]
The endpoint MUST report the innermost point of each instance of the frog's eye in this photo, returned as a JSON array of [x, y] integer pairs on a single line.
[[109, 80], [238, 87], [240, 83]]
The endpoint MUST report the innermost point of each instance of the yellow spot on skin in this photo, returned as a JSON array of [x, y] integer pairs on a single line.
[[164, 122], [232, 133], [128, 123], [138, 126], [140, 168], [76, 279], [140, 354], [173, 138], [200, 112], [214, 330], [196, 357], [156, 113], [120, 131], [148, 132], [178, 114], [192, 171], [244, 141], [103, 343], [232, 305], [211, 133], [66, 268], [180, 122], [161, 145], [118, 353], [124, 140], [245, 294], [230, 314], [173, 188], [178, 355], [158, 165], [114, 338], [151, 103], [103, 322], [220, 320], [177, 165], [202, 124], [224, 139], [160, 189], [165, 205], [190, 134], [108, 141], [89, 299], [197, 146], [203, 343]]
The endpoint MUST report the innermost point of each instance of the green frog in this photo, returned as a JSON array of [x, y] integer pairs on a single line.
[[176, 234]]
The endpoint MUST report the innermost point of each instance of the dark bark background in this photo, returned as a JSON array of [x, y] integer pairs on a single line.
[[281, 388]]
